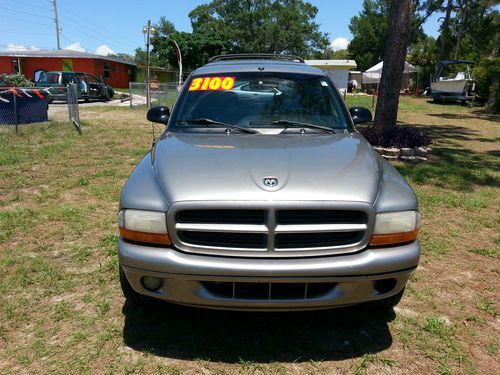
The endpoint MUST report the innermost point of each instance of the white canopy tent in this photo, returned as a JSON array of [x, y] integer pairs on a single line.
[[373, 74]]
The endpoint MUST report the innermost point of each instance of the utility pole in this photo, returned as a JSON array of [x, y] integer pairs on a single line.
[[147, 30], [56, 20]]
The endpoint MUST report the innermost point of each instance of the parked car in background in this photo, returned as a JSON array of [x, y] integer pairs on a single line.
[[90, 86]]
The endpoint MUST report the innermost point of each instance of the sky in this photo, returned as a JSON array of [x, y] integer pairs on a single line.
[[108, 26]]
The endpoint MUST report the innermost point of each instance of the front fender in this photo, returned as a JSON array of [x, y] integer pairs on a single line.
[[141, 191]]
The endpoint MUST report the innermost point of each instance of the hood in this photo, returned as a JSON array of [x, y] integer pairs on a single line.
[[341, 167]]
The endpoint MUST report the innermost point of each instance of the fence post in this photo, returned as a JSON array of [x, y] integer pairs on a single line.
[[130, 93], [16, 114]]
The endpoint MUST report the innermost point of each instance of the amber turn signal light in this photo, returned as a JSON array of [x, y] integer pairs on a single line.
[[157, 238], [393, 238]]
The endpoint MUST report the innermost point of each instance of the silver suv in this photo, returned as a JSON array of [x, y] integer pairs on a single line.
[[261, 195]]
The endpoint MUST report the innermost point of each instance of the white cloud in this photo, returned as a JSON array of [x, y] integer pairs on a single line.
[[104, 50], [339, 43], [16, 47], [75, 47], [33, 48]]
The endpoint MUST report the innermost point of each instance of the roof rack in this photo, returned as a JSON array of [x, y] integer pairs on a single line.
[[256, 56]]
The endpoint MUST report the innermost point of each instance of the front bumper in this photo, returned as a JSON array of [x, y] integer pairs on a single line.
[[185, 276]]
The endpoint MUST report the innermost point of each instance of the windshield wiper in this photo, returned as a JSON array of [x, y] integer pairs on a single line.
[[210, 122], [298, 124]]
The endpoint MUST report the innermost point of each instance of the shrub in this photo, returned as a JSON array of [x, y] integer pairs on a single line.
[[404, 136], [17, 80]]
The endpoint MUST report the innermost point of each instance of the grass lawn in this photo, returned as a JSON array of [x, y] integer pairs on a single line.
[[62, 311]]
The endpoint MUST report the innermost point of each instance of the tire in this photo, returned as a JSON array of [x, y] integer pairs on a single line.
[[131, 295], [387, 303]]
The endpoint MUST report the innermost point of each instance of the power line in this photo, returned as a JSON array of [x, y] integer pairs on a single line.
[[22, 12], [93, 36], [73, 42], [89, 32], [27, 48], [30, 5], [111, 34]]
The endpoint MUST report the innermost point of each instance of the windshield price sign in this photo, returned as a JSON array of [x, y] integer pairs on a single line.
[[212, 83]]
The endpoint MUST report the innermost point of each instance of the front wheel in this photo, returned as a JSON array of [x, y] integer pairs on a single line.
[[387, 303]]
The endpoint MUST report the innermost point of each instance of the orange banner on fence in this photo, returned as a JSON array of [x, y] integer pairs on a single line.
[[212, 83]]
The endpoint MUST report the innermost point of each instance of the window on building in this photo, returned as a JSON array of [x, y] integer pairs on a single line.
[[16, 66], [107, 71]]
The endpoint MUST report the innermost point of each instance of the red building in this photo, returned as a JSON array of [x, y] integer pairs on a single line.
[[116, 72]]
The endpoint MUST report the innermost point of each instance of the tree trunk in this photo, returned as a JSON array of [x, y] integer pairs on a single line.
[[462, 29], [445, 32], [392, 72]]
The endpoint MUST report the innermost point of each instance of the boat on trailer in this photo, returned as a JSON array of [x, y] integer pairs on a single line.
[[453, 81]]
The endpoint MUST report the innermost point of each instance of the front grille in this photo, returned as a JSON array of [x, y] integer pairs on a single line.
[[297, 240], [320, 217], [218, 239], [278, 231], [268, 291], [222, 216]]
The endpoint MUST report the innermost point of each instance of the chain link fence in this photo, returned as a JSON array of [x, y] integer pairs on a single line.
[[23, 105], [161, 94], [73, 109]]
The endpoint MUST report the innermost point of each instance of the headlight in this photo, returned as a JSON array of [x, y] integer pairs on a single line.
[[395, 227], [144, 226]]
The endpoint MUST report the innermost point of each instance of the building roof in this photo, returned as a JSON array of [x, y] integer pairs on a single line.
[[332, 63], [63, 53]]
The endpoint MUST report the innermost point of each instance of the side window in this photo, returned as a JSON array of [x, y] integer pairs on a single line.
[[107, 71], [69, 77], [38, 73], [91, 79]]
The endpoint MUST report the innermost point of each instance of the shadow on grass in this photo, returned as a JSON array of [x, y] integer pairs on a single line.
[[456, 169], [452, 166], [238, 337]]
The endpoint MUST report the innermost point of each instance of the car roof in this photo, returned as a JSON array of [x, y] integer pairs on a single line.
[[253, 65]]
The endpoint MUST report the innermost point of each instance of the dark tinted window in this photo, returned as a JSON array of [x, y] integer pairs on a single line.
[[69, 77], [49, 77]]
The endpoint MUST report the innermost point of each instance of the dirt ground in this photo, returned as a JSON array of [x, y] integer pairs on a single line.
[[62, 311]]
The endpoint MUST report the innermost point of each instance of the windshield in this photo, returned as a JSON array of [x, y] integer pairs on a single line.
[[260, 99]]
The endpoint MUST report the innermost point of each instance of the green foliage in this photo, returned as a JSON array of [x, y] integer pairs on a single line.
[[424, 54], [18, 80], [370, 27], [474, 30], [369, 30], [488, 81], [122, 56], [330, 54], [231, 26]]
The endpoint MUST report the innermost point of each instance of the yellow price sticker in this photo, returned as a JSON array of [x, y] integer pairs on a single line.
[[212, 83]]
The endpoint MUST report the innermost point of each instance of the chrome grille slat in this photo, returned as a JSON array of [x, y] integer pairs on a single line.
[[320, 228], [229, 228]]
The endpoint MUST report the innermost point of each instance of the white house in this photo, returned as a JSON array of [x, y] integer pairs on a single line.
[[337, 70]]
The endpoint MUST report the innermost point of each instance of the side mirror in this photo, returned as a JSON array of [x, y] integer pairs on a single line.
[[159, 114], [360, 115]]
